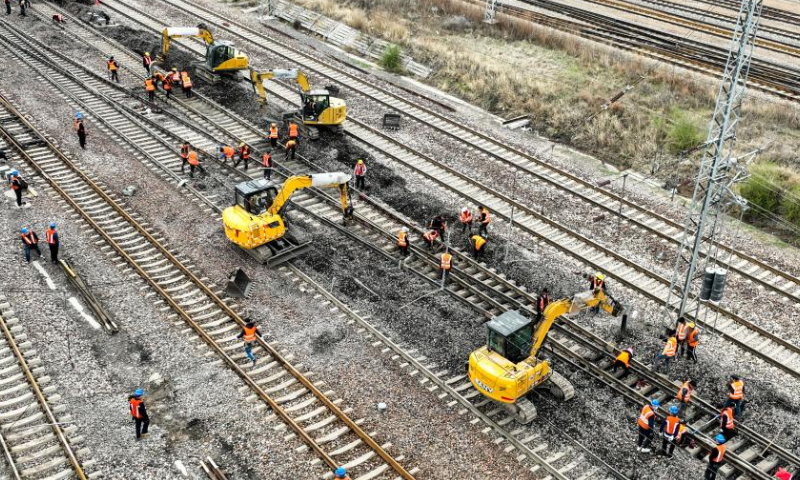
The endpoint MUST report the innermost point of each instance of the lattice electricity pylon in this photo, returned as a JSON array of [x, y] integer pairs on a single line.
[[719, 171], [490, 11]]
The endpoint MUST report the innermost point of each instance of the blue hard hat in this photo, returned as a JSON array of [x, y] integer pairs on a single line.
[[79, 115], [52, 224], [654, 402], [138, 393], [720, 438], [673, 410], [24, 230], [14, 173], [340, 472]]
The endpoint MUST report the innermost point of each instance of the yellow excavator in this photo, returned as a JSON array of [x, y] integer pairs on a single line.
[[319, 110], [256, 222], [222, 57], [507, 368]]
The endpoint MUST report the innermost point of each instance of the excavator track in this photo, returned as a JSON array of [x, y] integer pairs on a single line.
[[523, 410], [559, 387]]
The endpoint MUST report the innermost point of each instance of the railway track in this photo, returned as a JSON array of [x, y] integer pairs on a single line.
[[37, 436], [745, 334], [487, 304], [313, 416], [663, 228]]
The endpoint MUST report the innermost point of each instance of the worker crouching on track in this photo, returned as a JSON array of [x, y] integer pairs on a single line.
[[685, 395], [478, 246], [646, 422], [430, 238], [291, 148], [249, 334], [623, 361], [139, 413]]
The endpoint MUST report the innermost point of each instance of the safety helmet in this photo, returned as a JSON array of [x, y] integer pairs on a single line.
[[690, 325], [360, 162], [464, 209], [147, 54], [404, 229], [111, 57], [24, 230], [673, 410], [273, 124], [340, 472], [720, 438], [52, 224], [138, 393], [241, 145], [14, 173], [654, 402], [79, 115], [174, 69], [629, 350], [600, 276]]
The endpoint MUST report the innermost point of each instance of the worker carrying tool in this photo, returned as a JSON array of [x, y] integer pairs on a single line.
[[681, 335], [666, 356], [186, 84], [226, 153], [266, 164], [248, 335], [541, 303], [685, 394], [669, 430], [244, 155], [273, 135], [477, 245], [445, 264], [113, 69], [147, 61], [53, 242], [341, 474], [715, 458], [647, 423], [30, 241], [430, 237], [194, 163], [139, 413], [692, 341], [484, 219], [466, 220], [360, 172], [736, 393], [402, 241], [623, 361]]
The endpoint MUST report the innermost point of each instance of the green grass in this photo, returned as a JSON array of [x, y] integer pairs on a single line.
[[759, 190], [682, 132], [391, 59]]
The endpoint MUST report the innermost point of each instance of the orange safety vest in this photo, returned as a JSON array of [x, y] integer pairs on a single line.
[[726, 418], [147, 60], [292, 130], [249, 334], [466, 217], [681, 331], [49, 236], [273, 132], [149, 85], [671, 426], [478, 241], [670, 347], [360, 169], [166, 82], [444, 263], [402, 240], [291, 144], [738, 390], [544, 300], [431, 236], [228, 151], [693, 340], [245, 151], [685, 393], [15, 183], [645, 416], [624, 357], [267, 160], [597, 283], [135, 402], [193, 159], [487, 219], [717, 454], [112, 65], [187, 82], [29, 239]]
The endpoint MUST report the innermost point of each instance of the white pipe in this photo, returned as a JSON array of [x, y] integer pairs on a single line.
[[182, 31], [329, 179]]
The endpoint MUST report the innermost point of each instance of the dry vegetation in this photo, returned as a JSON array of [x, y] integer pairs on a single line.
[[518, 68]]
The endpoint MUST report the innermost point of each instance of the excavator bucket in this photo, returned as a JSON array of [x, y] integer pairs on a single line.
[[238, 284]]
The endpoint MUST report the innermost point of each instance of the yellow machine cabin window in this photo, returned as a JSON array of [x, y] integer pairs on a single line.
[[314, 105], [510, 336]]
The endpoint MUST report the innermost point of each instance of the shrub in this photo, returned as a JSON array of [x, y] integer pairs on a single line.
[[761, 188], [682, 133], [391, 59], [791, 205]]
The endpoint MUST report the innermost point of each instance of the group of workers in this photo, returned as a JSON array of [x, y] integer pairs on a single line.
[[683, 339], [675, 431], [24, 5], [30, 242]]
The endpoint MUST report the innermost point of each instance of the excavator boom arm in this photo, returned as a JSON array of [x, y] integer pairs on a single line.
[[170, 33], [565, 306], [257, 79], [299, 182]]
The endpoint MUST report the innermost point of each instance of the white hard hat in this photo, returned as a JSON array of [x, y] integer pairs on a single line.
[[464, 209], [405, 229]]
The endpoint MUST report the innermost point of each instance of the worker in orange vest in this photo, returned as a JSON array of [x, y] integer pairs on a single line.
[[30, 241], [669, 429], [735, 395], [147, 61], [53, 242], [726, 421], [360, 172], [113, 68], [478, 244], [293, 132], [692, 341], [484, 219], [194, 163], [291, 148], [186, 84], [402, 241], [139, 413], [430, 237], [715, 457], [166, 83], [266, 163], [466, 220], [647, 423], [273, 135], [16, 186], [244, 155], [445, 264], [623, 360], [184, 154], [541, 303], [249, 334], [150, 88], [681, 335], [685, 394], [341, 474], [667, 355], [228, 152]]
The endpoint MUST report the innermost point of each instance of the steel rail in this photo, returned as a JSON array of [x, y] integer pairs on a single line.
[[209, 293]]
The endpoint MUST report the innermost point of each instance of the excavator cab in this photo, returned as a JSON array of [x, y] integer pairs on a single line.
[[255, 196], [509, 335], [223, 56], [320, 109]]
